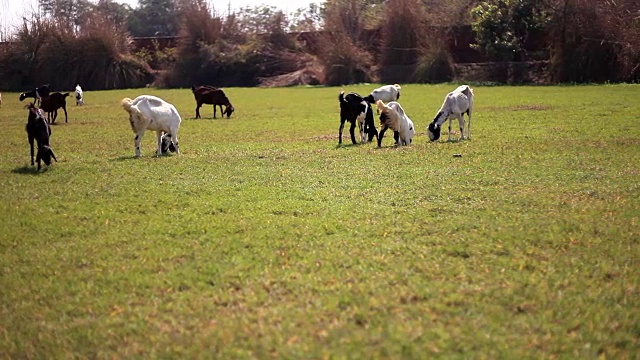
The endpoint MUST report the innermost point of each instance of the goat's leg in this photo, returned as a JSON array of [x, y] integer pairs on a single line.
[[214, 111], [65, 113], [469, 126], [174, 140], [31, 144], [461, 122], [138, 140], [339, 134], [363, 138], [198, 111], [352, 129], [381, 134], [449, 128], [159, 137], [396, 137]]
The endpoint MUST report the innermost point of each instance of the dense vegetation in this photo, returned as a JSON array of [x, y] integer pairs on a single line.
[[265, 240], [342, 41]]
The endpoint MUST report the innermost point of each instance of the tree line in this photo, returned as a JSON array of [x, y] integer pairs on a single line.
[[338, 42]]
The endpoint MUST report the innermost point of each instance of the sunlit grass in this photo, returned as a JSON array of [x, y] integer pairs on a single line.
[[264, 239]]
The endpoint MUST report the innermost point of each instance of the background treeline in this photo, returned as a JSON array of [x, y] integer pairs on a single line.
[[339, 42]]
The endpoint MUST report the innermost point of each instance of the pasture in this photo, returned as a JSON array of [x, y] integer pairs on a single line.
[[264, 239]]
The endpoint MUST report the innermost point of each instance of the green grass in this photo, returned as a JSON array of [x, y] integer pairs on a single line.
[[263, 239]]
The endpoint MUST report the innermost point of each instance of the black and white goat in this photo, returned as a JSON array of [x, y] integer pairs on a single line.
[[37, 93], [455, 104], [38, 129], [79, 95], [392, 116], [147, 112], [354, 109], [385, 93]]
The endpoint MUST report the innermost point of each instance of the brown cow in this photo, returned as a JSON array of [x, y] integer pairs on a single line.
[[214, 96]]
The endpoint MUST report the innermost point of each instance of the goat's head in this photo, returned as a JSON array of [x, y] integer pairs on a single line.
[[45, 153], [433, 130], [229, 110], [23, 96], [167, 144]]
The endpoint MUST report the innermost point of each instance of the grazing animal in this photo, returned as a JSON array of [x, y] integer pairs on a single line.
[[52, 103], [37, 93], [392, 116], [147, 112], [355, 110], [214, 96], [455, 104], [79, 95], [167, 145], [38, 129], [385, 93]]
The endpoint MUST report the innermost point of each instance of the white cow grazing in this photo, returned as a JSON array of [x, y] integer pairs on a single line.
[[455, 104], [147, 112], [392, 116], [79, 95]]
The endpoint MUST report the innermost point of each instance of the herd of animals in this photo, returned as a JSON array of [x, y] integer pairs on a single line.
[[147, 112]]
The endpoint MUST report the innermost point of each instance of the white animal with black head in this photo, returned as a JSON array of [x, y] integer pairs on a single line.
[[455, 104], [147, 112], [385, 93], [392, 116], [79, 95]]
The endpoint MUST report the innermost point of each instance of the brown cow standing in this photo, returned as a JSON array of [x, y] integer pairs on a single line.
[[214, 96]]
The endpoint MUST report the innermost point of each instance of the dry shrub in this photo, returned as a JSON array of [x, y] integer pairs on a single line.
[[435, 65], [588, 42]]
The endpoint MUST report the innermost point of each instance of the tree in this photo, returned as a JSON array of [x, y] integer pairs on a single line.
[[503, 26], [154, 18]]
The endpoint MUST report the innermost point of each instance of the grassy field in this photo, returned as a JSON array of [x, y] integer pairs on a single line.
[[264, 239]]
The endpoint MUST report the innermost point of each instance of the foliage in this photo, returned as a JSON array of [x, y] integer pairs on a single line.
[[154, 18], [588, 44], [434, 66], [263, 239], [502, 26]]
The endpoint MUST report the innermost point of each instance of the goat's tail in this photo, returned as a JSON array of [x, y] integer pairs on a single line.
[[341, 96], [381, 106], [126, 104]]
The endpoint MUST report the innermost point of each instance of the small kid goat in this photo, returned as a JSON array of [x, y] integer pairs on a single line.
[[38, 129], [79, 95], [354, 109], [392, 116], [147, 112], [455, 104]]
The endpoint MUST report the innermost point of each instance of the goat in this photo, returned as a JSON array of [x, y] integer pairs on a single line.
[[214, 96], [79, 95], [36, 93], [455, 104], [52, 103], [354, 109], [385, 93], [38, 129], [147, 112], [392, 116]]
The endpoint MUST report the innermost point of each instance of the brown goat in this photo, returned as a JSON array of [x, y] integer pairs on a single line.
[[52, 103], [214, 96]]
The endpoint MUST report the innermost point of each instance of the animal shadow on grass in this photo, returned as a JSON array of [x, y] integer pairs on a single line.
[[29, 170]]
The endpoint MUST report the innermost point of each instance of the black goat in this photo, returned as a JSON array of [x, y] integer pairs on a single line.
[[38, 129], [37, 93], [52, 103], [354, 109]]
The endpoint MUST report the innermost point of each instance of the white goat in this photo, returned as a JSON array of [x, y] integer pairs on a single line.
[[147, 112], [393, 116], [79, 95], [385, 93], [455, 104]]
